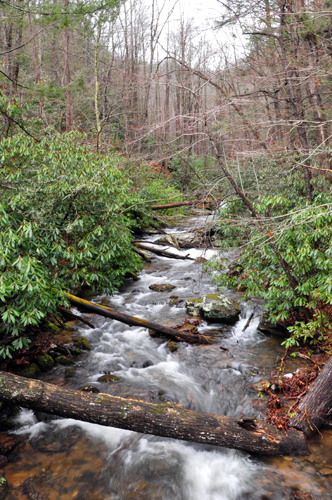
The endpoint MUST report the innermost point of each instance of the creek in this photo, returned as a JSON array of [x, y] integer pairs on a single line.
[[69, 460]]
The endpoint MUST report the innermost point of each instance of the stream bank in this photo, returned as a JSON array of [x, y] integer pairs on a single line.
[[67, 459]]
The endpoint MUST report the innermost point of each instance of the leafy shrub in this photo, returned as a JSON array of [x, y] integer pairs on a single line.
[[62, 226], [302, 235]]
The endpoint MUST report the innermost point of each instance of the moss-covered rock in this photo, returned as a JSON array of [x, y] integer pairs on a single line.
[[164, 287], [82, 343], [69, 326], [172, 346], [108, 379], [52, 327], [45, 362], [31, 371], [3, 488], [65, 360], [215, 307], [89, 388]]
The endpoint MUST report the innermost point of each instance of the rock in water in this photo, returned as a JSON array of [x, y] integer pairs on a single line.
[[164, 287], [215, 307], [277, 328]]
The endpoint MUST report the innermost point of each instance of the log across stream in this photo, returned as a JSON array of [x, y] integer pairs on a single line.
[[67, 459]]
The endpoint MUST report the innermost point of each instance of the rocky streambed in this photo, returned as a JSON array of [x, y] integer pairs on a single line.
[[66, 459]]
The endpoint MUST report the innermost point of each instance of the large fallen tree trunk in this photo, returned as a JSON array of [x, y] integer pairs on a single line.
[[316, 406], [107, 312], [163, 253], [168, 419]]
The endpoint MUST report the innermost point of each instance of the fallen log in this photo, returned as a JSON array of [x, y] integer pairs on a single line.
[[132, 321], [163, 253], [208, 204], [167, 419], [316, 406], [142, 254]]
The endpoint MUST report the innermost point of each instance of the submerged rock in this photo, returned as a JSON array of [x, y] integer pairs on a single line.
[[278, 328], [215, 307], [164, 287], [108, 379], [69, 372]]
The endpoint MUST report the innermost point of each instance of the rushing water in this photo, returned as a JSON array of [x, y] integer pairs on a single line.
[[75, 460]]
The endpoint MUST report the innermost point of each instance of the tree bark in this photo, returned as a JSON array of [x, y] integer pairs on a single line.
[[168, 419], [316, 406], [171, 333], [163, 253]]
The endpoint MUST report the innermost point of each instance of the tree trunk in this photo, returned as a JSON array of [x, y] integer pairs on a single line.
[[163, 253], [316, 406], [167, 419], [132, 321]]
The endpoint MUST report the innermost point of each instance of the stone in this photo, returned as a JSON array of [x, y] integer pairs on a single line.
[[69, 372], [82, 343], [147, 363], [163, 287], [89, 388], [65, 360], [31, 371], [214, 307], [172, 346], [108, 378], [45, 362], [6, 424], [3, 461], [278, 328], [8, 442], [52, 327], [3, 488], [69, 326]]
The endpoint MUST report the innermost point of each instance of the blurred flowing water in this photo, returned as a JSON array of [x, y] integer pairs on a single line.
[[68, 459]]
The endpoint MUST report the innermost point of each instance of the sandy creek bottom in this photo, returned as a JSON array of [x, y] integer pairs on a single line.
[[69, 460]]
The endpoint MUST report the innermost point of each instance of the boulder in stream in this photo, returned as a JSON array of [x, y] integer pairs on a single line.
[[278, 328], [215, 307], [163, 287]]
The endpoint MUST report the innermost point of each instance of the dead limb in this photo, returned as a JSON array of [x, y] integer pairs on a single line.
[[107, 312], [74, 316], [167, 419], [163, 253]]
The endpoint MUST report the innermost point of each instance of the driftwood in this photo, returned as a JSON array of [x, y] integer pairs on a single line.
[[142, 254], [168, 419], [163, 253], [172, 333], [316, 406]]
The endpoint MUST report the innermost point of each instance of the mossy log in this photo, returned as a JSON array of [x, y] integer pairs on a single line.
[[163, 253], [316, 406], [107, 312], [208, 204], [167, 419]]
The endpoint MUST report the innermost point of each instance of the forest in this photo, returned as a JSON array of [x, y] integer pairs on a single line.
[[121, 119]]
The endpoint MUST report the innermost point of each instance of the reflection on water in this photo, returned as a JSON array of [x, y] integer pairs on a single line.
[[75, 460]]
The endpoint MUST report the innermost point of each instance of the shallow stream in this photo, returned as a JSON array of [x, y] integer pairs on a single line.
[[75, 460]]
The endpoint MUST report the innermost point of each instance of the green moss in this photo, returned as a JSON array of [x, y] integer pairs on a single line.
[[82, 343], [31, 371], [45, 362], [108, 379], [52, 327], [65, 360]]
